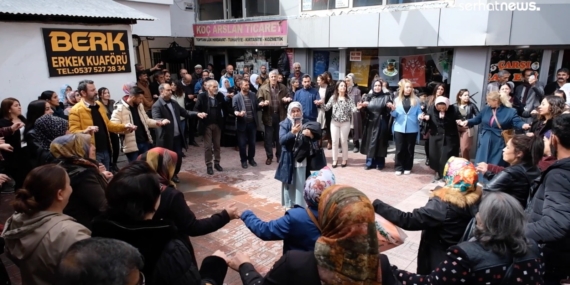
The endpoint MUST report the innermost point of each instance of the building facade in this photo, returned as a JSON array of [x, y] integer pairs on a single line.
[[462, 43]]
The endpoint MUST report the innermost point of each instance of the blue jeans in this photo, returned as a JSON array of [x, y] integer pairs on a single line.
[[143, 147], [377, 162], [104, 157], [247, 138]]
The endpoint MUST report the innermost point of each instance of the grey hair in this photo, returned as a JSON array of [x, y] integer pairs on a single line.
[[500, 224], [504, 72], [297, 63], [83, 85], [98, 261], [161, 86], [210, 82], [274, 72]]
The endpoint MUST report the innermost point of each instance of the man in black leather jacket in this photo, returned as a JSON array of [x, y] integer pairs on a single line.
[[549, 210]]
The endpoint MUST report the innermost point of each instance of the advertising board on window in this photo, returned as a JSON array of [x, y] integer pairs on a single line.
[[83, 51]]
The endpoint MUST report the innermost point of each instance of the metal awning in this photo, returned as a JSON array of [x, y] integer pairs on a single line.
[[72, 8]]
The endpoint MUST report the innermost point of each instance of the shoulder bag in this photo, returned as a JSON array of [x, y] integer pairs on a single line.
[[506, 134]]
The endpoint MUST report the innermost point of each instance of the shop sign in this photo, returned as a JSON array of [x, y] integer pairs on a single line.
[[414, 69], [270, 33], [77, 51], [355, 56], [515, 67]]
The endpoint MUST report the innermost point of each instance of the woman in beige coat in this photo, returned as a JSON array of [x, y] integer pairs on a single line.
[[39, 234]]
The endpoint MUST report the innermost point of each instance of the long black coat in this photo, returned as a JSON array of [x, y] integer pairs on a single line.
[[442, 221], [549, 216], [376, 130], [165, 134], [443, 137]]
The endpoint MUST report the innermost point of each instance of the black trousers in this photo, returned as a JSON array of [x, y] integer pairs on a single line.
[[405, 145], [246, 138], [116, 146], [272, 136], [177, 147]]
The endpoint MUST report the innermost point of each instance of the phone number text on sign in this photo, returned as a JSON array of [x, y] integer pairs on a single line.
[[73, 52]]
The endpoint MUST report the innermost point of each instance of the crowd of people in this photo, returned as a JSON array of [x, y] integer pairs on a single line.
[[81, 219]]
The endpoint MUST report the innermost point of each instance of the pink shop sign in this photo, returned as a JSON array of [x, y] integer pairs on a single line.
[[270, 33]]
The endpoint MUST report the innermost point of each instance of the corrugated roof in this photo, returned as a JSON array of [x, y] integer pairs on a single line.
[[73, 8]]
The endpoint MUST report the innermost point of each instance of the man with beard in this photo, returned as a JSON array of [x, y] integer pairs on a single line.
[[245, 110], [562, 76], [158, 78], [309, 99], [297, 72], [172, 135], [549, 214], [130, 110], [263, 73], [229, 75]]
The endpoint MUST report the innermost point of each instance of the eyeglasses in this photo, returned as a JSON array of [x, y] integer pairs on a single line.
[[141, 279]]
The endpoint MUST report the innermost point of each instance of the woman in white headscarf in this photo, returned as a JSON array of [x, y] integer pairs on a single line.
[[444, 135], [253, 87], [291, 173]]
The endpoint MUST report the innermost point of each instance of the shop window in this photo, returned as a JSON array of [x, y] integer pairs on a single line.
[[211, 9], [424, 70], [324, 60], [260, 8], [365, 3], [515, 61], [316, 5]]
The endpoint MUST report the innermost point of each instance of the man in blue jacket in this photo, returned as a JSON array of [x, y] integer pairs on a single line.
[[309, 99]]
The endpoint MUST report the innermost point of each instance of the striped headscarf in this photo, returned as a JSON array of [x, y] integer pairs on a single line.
[[47, 128], [163, 161], [347, 251], [316, 184]]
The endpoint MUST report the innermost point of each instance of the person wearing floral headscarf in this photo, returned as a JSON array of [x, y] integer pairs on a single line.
[[77, 155], [444, 218], [346, 252], [297, 228], [46, 129], [163, 161]]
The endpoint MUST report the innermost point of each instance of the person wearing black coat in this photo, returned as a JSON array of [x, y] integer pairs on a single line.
[[523, 154], [548, 211], [211, 103], [443, 219], [443, 134], [134, 198], [376, 131], [171, 136]]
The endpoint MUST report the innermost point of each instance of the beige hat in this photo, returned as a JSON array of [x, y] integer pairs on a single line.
[[198, 66]]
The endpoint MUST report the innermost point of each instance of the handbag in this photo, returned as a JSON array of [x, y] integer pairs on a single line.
[[506, 134]]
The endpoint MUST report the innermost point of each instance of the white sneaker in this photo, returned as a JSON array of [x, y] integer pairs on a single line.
[[398, 173], [407, 172]]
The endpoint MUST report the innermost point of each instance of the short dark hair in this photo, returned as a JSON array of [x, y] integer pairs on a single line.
[[98, 261], [139, 73], [307, 76], [135, 91], [133, 191], [83, 85], [561, 129], [563, 69]]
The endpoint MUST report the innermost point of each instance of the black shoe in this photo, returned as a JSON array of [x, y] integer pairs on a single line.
[[194, 143], [344, 165], [218, 167], [183, 155], [175, 179], [368, 167], [210, 170], [253, 163], [379, 167], [335, 165], [243, 164]]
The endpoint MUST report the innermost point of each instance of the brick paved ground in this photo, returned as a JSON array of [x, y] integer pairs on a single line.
[[254, 188]]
